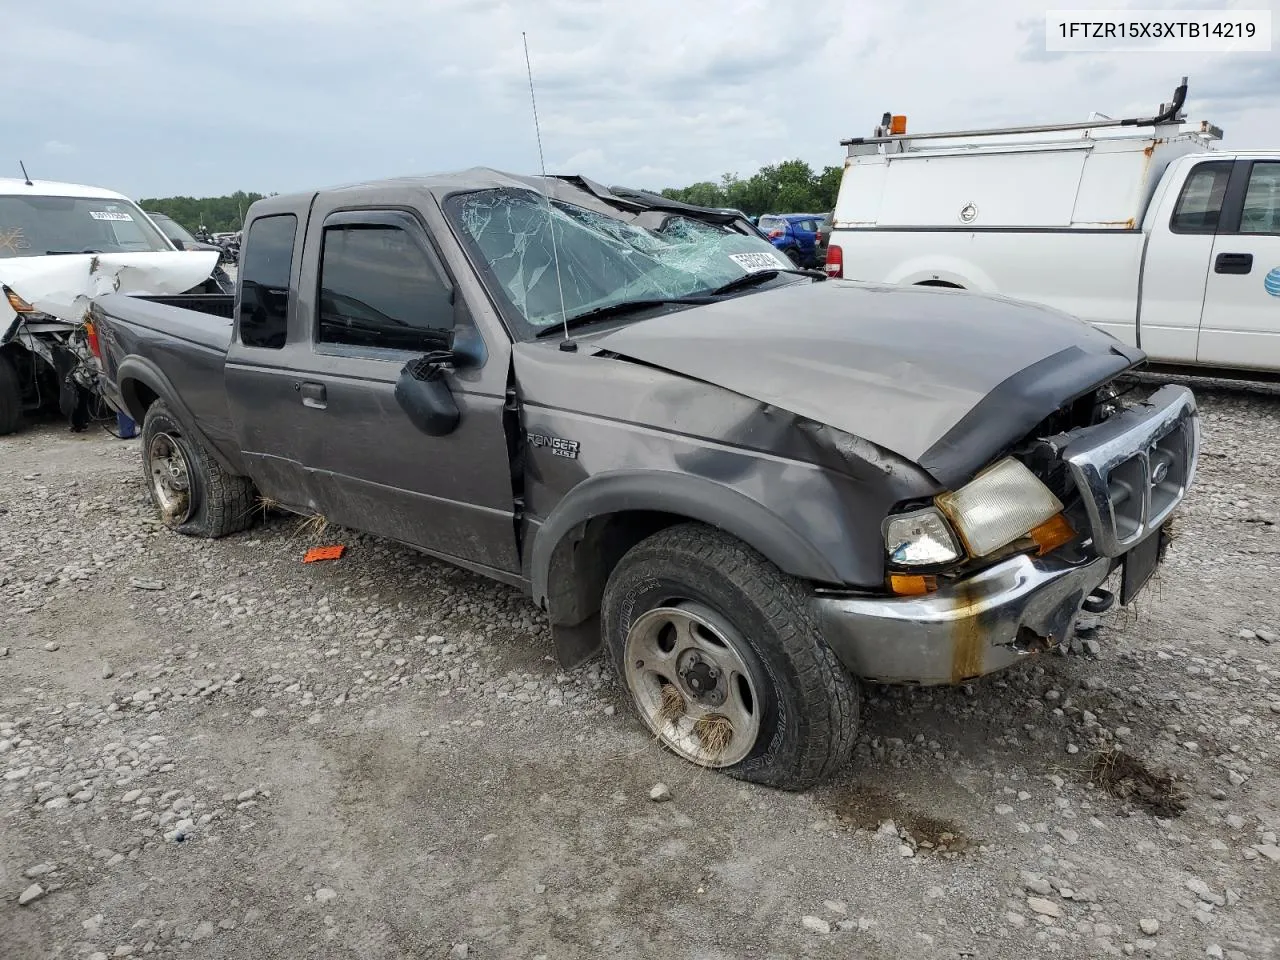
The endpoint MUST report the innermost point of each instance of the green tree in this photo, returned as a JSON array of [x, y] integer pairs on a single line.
[[795, 191], [828, 187], [217, 214], [792, 186], [703, 194]]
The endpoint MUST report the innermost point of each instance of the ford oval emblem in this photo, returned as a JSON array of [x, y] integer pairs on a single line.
[[1159, 472], [1271, 282]]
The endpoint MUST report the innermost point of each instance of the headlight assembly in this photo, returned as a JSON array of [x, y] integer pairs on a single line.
[[998, 506]]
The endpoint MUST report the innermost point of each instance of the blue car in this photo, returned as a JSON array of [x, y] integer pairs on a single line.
[[795, 234]]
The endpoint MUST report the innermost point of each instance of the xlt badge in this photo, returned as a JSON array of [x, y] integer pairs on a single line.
[[560, 448]]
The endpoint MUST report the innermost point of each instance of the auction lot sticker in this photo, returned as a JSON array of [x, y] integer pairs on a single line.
[[755, 262], [109, 215]]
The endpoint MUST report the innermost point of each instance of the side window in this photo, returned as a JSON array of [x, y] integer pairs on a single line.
[[265, 267], [1262, 200], [378, 288], [1200, 205]]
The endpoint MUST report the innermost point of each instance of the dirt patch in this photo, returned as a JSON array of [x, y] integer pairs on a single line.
[[1125, 777], [865, 807]]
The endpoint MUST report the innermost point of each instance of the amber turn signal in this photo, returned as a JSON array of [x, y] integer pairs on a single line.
[[19, 305], [1052, 534], [898, 125], [911, 584]]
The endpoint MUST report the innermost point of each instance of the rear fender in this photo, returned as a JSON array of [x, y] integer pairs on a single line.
[[942, 269], [135, 371]]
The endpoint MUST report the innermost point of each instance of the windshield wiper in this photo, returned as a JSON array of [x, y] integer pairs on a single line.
[[761, 276], [65, 253], [617, 309]]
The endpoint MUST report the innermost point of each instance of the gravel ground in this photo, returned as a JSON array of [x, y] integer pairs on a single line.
[[209, 749]]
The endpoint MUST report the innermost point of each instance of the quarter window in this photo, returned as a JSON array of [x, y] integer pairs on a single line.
[[265, 268], [1200, 205], [379, 289]]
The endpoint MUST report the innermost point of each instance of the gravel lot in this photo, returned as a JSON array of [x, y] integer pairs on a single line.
[[209, 749]]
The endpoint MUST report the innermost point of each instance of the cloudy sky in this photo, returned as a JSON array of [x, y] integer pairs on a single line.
[[162, 97]]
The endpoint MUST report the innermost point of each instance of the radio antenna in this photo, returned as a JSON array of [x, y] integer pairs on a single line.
[[25, 176], [566, 344]]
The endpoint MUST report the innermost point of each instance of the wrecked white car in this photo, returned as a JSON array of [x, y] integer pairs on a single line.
[[62, 244]]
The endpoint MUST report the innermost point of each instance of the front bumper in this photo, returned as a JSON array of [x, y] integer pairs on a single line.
[[967, 628], [1131, 471]]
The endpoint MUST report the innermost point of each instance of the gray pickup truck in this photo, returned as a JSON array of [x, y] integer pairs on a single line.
[[752, 485]]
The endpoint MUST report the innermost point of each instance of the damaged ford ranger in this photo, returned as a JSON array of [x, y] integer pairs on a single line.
[[753, 486]]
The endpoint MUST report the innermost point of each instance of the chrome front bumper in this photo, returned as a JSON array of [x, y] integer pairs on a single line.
[[1132, 470], [968, 628]]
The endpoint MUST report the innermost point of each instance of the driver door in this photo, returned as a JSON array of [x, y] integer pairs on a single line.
[[382, 297]]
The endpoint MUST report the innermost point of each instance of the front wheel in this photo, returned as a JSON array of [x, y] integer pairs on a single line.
[[193, 493], [724, 661]]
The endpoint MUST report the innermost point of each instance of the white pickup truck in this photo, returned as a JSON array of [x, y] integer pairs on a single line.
[[1138, 226]]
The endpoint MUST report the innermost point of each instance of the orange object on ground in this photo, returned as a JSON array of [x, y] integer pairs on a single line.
[[324, 553]]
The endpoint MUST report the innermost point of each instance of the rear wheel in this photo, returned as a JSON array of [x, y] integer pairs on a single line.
[[724, 661], [193, 493], [796, 255], [10, 396]]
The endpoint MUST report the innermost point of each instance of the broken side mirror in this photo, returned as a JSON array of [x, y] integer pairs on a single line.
[[425, 397], [423, 392], [422, 389]]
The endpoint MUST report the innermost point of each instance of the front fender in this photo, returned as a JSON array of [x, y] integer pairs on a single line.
[[684, 495]]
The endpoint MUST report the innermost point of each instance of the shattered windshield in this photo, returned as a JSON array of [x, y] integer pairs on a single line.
[[36, 226], [602, 260]]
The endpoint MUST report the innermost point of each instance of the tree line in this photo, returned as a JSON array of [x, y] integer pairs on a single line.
[[791, 186], [788, 187], [216, 214]]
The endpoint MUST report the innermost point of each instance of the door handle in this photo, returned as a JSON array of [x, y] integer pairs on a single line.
[[313, 396], [1233, 263]]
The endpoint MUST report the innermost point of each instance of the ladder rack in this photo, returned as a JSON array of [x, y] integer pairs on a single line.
[[1169, 115]]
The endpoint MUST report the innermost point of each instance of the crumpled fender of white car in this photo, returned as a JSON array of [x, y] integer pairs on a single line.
[[62, 286]]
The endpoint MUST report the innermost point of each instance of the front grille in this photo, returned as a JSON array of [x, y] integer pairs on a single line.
[[1134, 468]]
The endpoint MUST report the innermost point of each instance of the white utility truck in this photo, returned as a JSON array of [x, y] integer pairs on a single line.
[[1139, 226]]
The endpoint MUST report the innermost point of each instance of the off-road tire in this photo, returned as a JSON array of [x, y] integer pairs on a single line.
[[221, 504], [10, 397], [811, 705]]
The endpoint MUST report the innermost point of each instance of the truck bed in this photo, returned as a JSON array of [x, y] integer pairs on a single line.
[[188, 344], [213, 304]]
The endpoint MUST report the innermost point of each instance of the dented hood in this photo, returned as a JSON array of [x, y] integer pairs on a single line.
[[943, 377], [63, 285]]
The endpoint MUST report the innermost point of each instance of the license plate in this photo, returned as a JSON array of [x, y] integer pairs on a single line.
[[1139, 564]]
